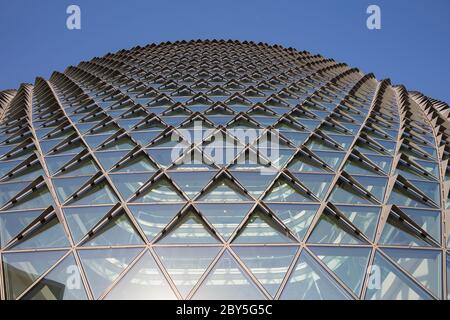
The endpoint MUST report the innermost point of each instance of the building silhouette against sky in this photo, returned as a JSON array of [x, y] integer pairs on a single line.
[[105, 193]]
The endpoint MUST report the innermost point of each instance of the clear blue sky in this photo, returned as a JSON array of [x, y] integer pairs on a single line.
[[412, 48]]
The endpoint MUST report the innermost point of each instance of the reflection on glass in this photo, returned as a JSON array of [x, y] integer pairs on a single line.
[[224, 217], [50, 234], [189, 229], [282, 191], [389, 283], [309, 281], [22, 269], [186, 265], [11, 223], [128, 184], [101, 193], [103, 266], [364, 218], [117, 231], [424, 265], [227, 281], [254, 182], [223, 192], [81, 220], [318, 184], [191, 183], [348, 263], [268, 264], [144, 281], [297, 217], [62, 283], [154, 217], [160, 191], [331, 230], [262, 229], [397, 232]]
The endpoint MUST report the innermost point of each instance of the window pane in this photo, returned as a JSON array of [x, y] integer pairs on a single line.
[[268, 264], [309, 281], [186, 265], [227, 281], [144, 281]]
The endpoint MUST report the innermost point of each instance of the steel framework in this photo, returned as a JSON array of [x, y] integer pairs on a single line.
[[93, 205]]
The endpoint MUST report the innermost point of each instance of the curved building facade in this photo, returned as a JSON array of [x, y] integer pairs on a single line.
[[222, 170]]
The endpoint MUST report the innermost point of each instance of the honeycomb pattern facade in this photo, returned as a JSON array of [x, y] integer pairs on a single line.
[[93, 205]]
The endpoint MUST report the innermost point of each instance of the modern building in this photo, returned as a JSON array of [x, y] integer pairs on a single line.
[[222, 170]]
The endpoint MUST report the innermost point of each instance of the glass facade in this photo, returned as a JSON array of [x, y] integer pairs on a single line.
[[127, 177]]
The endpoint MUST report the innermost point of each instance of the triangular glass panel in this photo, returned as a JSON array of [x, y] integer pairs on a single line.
[[430, 189], [100, 193], [424, 265], [227, 281], [144, 281], [318, 184], [49, 234], [297, 217], [190, 228], [304, 163], [39, 198], [186, 265], [191, 183], [355, 165], [11, 223], [160, 190], [26, 173], [331, 230], [383, 162], [389, 283], [268, 264], [296, 138], [363, 217], [81, 220], [251, 160], [262, 229], [65, 187], [225, 218], [344, 193], [123, 143], [62, 283], [193, 160], [375, 185], [314, 143], [154, 217], [23, 268], [428, 220], [140, 163], [348, 263], [103, 266], [284, 191], [127, 184], [403, 197], [397, 232], [72, 148], [84, 167], [115, 232], [93, 141], [145, 137], [109, 159], [7, 166], [254, 182], [223, 191], [309, 281], [9, 190], [332, 158]]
